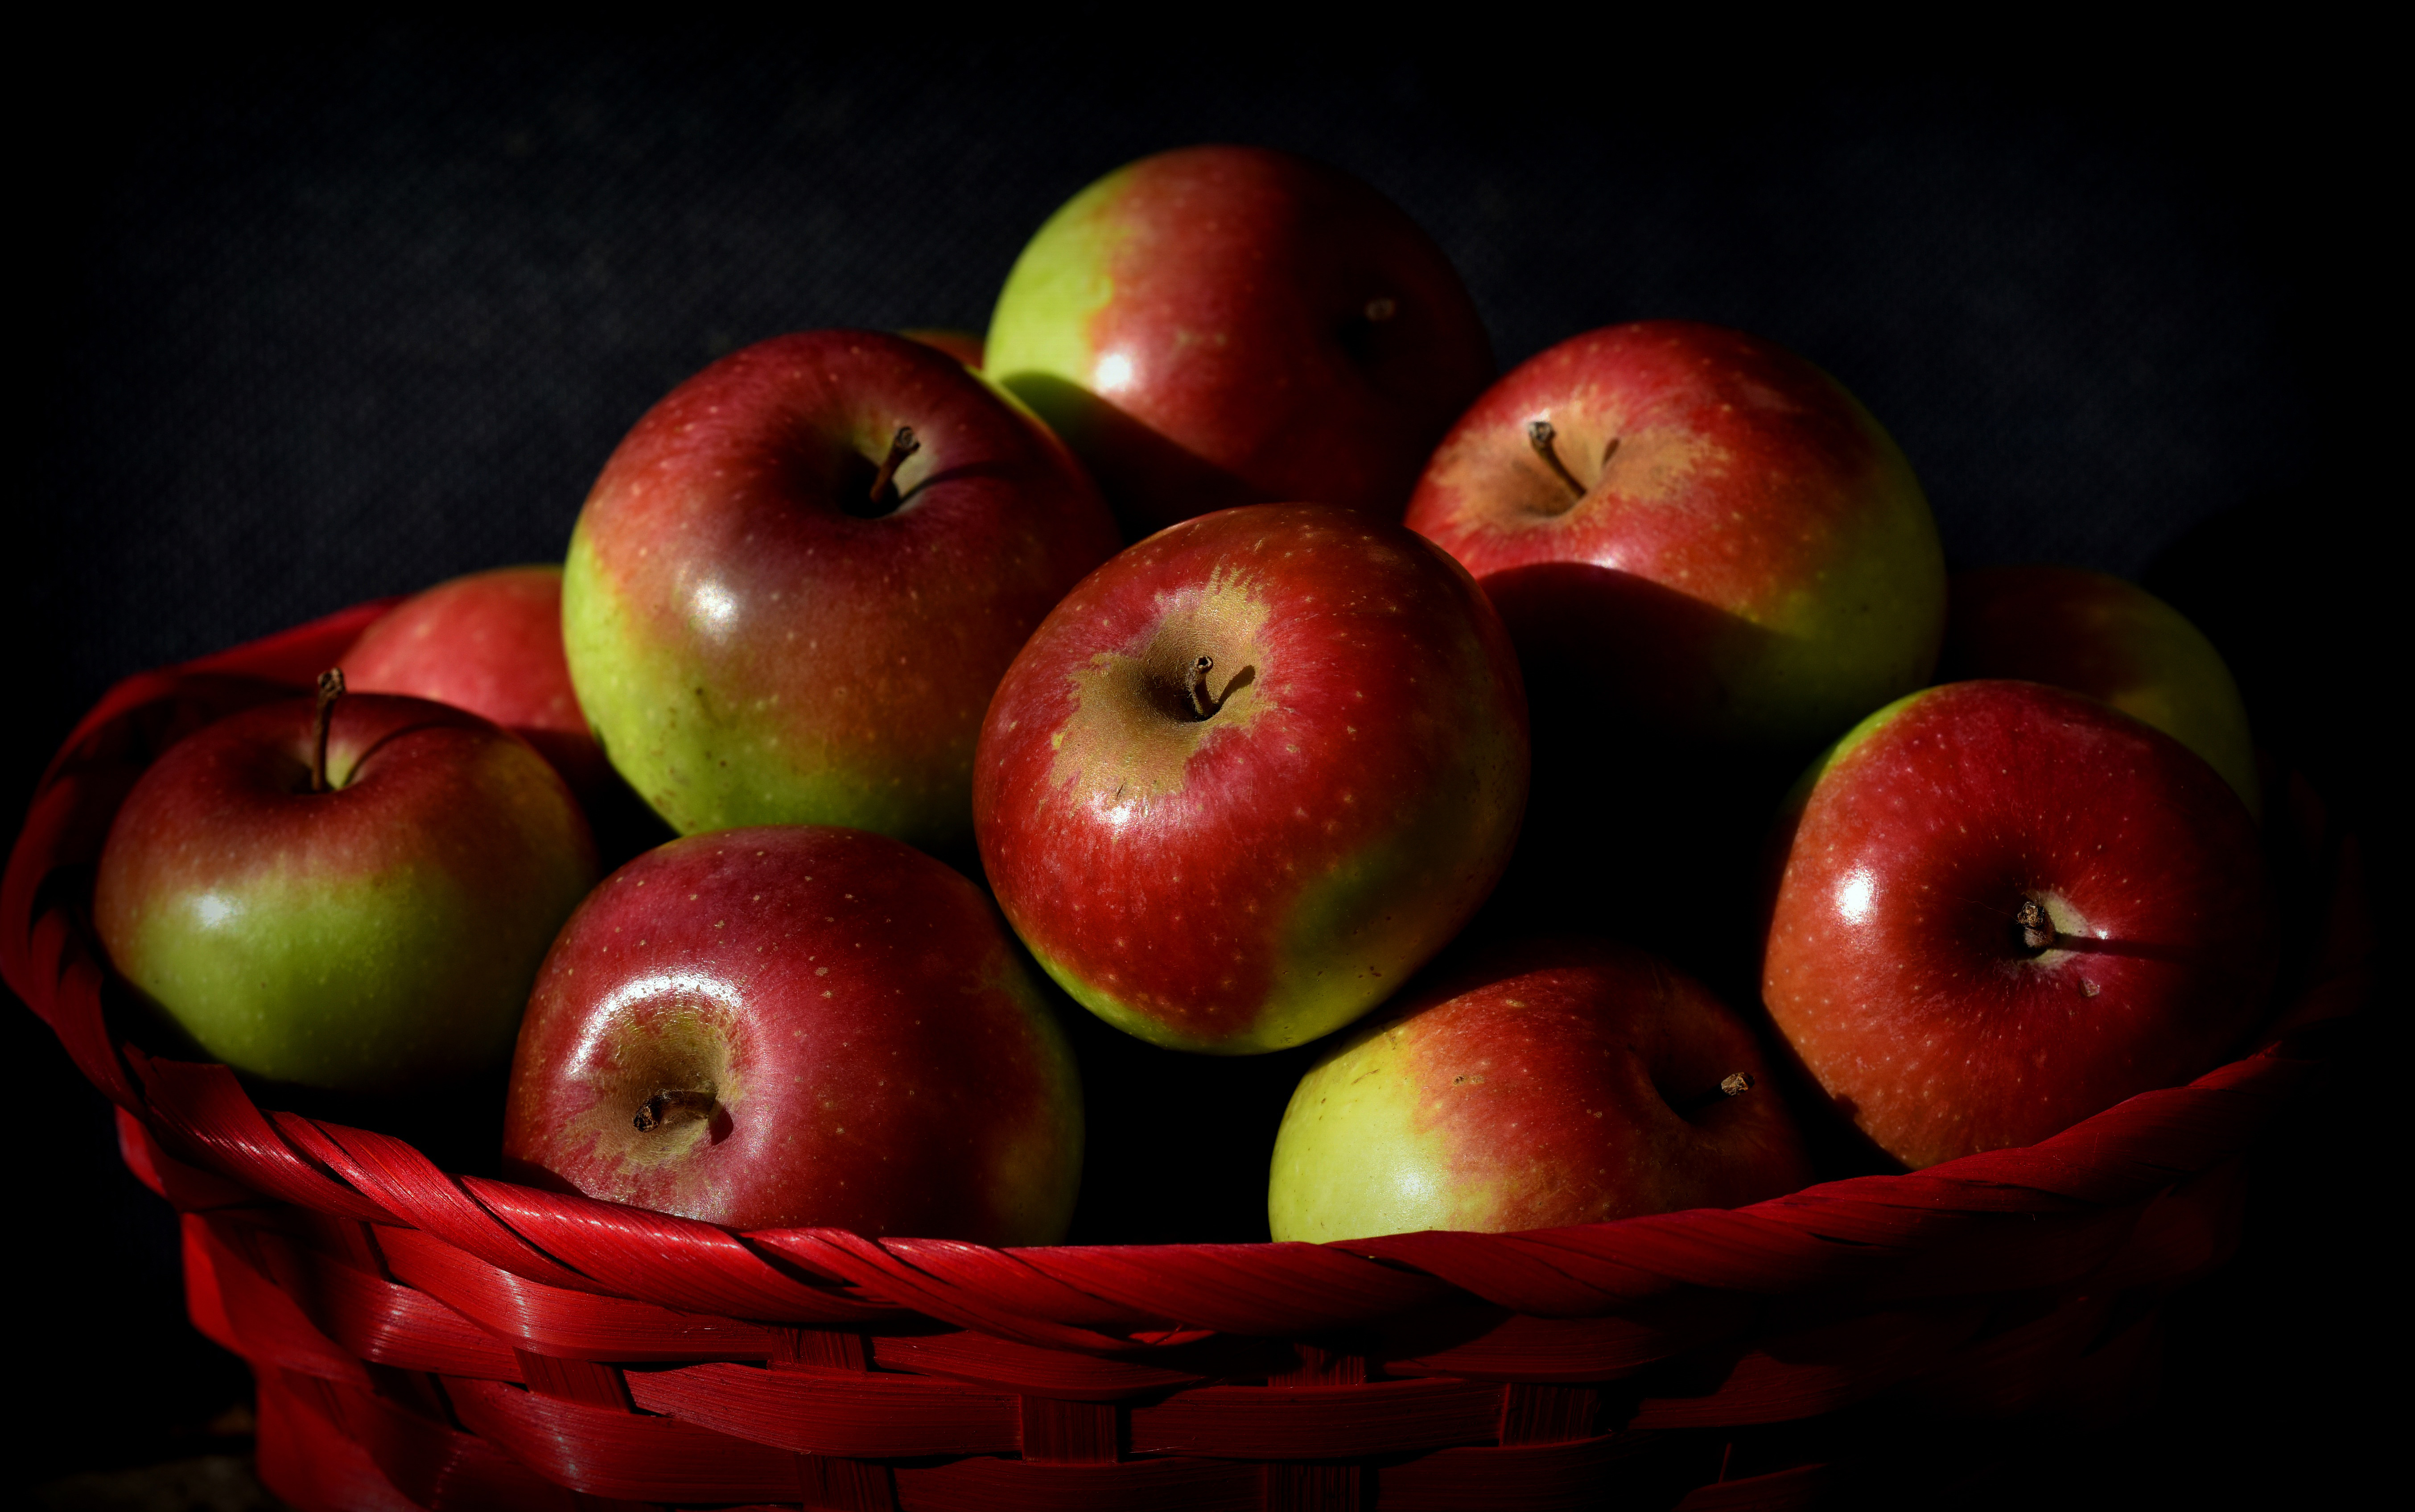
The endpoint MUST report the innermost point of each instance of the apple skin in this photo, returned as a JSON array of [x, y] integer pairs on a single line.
[[379, 938], [1893, 966], [749, 651], [876, 1055], [1756, 563], [1197, 326], [2110, 640], [1557, 1082], [489, 642], [1259, 878]]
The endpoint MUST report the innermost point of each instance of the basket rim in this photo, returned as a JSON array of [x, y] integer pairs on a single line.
[[197, 1130]]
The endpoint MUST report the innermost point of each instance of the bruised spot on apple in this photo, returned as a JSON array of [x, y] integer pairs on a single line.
[[1244, 856], [1557, 1082], [798, 1025], [1999, 908]]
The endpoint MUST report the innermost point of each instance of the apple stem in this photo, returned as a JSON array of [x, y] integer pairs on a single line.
[[331, 687], [1381, 308], [1195, 687], [901, 447], [2038, 930], [1540, 434], [673, 1106], [1737, 1083]]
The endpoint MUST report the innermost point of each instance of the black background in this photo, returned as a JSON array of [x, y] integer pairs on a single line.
[[321, 319]]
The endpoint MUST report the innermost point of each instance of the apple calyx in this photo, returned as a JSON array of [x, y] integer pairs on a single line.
[[331, 687], [673, 1106], [1540, 435], [1733, 1084], [2036, 929], [1381, 308]]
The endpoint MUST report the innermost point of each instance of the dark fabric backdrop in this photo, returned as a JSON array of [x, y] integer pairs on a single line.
[[319, 320]]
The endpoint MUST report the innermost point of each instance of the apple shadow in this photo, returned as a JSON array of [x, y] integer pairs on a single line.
[[1149, 480], [1634, 830], [1178, 1147]]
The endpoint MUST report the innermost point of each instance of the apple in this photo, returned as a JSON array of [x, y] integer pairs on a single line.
[[354, 896], [2111, 640], [800, 576], [1252, 774], [1228, 325], [489, 642], [1695, 529], [1555, 1082], [2003, 907], [798, 1025]]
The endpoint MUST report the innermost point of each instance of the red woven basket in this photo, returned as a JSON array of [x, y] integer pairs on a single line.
[[423, 1340]]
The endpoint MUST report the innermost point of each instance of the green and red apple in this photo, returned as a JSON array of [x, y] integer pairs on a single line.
[[364, 916], [2002, 907], [1695, 529], [1225, 325], [1251, 775], [1555, 1082], [799, 1025], [2110, 640], [800, 576]]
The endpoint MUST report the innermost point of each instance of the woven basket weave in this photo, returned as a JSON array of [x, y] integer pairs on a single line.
[[428, 1341]]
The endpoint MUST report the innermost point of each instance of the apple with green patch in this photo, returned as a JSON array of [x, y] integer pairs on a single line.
[[1554, 1083], [2111, 640], [800, 576], [2000, 908], [1695, 530], [352, 896], [1252, 774], [798, 1025], [1224, 325]]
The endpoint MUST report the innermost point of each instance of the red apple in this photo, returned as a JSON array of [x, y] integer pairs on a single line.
[[1559, 1082], [798, 1025], [378, 937], [1230, 325], [765, 626], [1253, 773], [491, 643], [2004, 908], [2108, 638], [1695, 529]]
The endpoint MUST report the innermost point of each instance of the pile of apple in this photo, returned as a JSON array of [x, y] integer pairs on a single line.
[[854, 614]]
